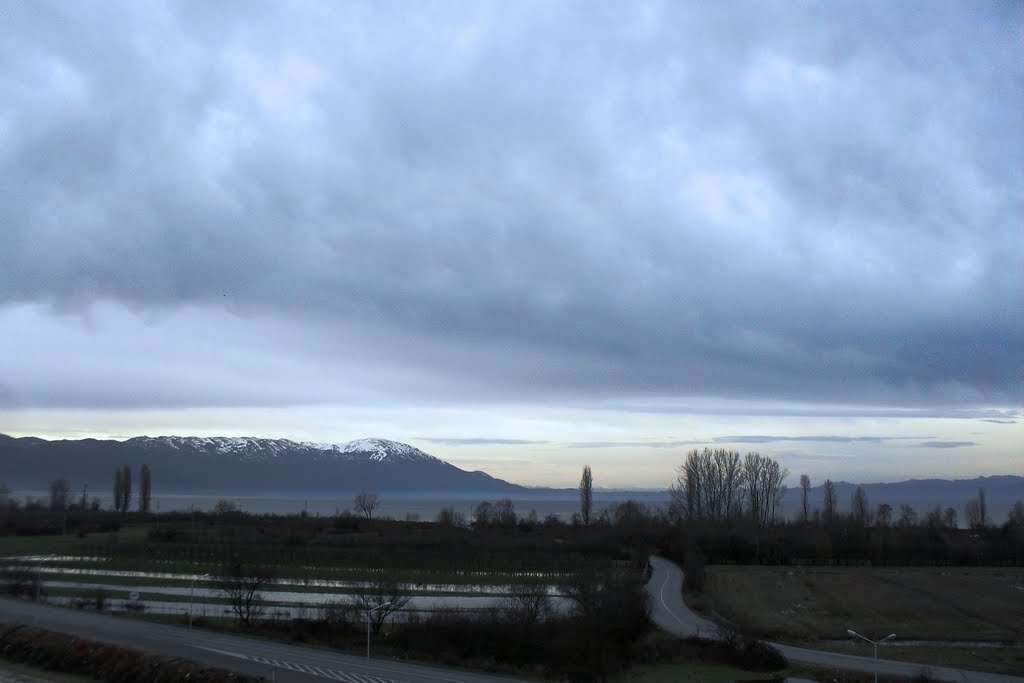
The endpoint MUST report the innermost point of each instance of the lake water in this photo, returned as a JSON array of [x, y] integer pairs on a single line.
[[421, 509]]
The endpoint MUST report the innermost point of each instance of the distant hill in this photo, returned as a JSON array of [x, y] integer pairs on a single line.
[[225, 465], [922, 494]]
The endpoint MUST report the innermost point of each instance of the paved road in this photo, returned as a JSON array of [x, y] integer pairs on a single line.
[[670, 613], [246, 655], [667, 607]]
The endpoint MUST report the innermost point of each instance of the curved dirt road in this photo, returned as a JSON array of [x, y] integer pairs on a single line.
[[670, 613]]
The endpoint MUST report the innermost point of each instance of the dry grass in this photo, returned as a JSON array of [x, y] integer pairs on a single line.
[[1000, 660], [917, 603]]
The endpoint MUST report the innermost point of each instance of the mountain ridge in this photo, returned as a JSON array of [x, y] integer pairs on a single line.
[[242, 464]]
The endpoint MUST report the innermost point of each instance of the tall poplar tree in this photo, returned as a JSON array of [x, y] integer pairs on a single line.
[[586, 494], [144, 488]]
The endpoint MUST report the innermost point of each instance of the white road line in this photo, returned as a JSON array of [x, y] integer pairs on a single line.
[[664, 604]]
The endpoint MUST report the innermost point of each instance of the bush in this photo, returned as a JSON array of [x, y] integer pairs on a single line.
[[60, 652], [20, 580], [760, 656], [748, 654]]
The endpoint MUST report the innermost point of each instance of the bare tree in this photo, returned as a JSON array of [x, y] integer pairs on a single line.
[[933, 518], [976, 511], [380, 599], [883, 516], [505, 513], [241, 581], [805, 494], [908, 517], [1015, 517], [526, 603], [949, 518], [59, 491], [586, 494], [449, 516], [829, 503], [762, 478], [709, 486], [144, 488], [972, 514], [859, 510], [483, 513], [367, 503]]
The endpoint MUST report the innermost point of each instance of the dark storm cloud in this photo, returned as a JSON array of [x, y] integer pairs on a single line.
[[798, 203]]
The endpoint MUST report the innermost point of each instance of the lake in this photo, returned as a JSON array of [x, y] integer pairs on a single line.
[[414, 508]]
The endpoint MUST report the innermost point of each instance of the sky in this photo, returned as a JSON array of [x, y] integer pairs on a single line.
[[521, 236]]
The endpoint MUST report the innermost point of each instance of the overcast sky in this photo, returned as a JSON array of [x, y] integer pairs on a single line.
[[522, 236]]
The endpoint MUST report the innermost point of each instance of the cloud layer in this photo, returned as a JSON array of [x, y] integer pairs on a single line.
[[525, 200]]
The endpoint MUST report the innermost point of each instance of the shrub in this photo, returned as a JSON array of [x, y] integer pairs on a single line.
[[59, 652], [760, 656]]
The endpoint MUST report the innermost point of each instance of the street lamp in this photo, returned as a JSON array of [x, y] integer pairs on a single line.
[[367, 617], [873, 642], [191, 595]]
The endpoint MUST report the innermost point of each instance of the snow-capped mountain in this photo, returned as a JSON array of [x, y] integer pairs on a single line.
[[240, 465], [258, 450]]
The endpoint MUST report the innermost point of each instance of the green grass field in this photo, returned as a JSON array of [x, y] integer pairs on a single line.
[[917, 603]]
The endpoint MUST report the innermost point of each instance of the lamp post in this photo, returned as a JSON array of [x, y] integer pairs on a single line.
[[367, 617], [191, 595], [873, 642]]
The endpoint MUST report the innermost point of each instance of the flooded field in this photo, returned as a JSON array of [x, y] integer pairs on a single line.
[[171, 592]]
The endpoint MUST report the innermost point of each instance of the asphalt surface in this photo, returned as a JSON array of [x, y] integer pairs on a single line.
[[273, 661], [670, 613]]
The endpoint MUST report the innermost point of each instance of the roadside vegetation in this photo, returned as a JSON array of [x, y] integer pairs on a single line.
[[51, 651]]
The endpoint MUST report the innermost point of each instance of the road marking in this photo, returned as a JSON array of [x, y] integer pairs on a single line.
[[664, 604], [333, 674]]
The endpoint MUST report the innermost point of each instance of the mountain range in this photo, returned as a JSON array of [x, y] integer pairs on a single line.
[[250, 466], [232, 465]]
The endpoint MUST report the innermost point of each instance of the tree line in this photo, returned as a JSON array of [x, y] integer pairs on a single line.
[[59, 493], [123, 489]]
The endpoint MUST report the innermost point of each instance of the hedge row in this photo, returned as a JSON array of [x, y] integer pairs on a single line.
[[62, 652]]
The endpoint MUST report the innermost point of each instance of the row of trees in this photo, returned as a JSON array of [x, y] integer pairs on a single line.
[[720, 485], [60, 492], [884, 516], [123, 488]]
